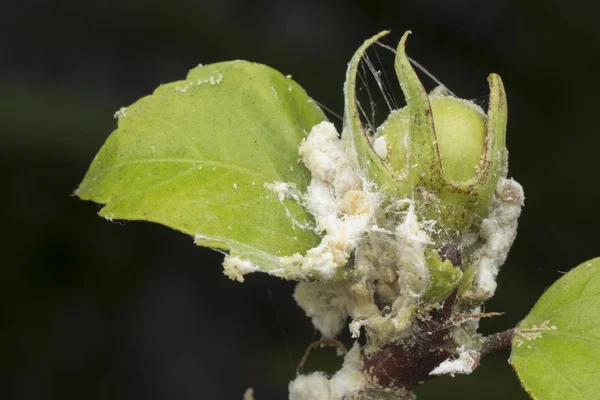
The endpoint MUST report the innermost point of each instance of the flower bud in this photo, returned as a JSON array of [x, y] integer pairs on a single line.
[[460, 128], [442, 152]]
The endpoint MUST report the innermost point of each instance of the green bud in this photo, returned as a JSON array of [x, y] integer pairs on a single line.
[[444, 276], [443, 152], [460, 128]]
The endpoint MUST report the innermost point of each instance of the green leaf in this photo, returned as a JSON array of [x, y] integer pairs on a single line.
[[556, 350], [196, 155], [445, 277]]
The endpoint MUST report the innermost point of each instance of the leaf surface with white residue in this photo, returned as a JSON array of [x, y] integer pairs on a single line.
[[196, 155]]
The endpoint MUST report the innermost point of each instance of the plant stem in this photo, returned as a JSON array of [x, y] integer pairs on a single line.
[[497, 341]]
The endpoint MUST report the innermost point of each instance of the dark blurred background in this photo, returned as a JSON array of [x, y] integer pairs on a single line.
[[96, 310]]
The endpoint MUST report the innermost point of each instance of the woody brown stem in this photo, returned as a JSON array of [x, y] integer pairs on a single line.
[[498, 341], [402, 365]]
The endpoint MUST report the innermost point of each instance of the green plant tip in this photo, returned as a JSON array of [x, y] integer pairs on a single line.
[[438, 147]]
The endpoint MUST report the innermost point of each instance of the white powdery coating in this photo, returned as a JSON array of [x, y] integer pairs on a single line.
[[213, 80], [399, 261], [120, 113], [325, 157], [235, 268], [390, 261], [380, 147], [316, 386], [341, 209], [310, 387], [412, 242], [466, 362], [523, 335], [282, 189], [396, 262], [349, 379], [325, 303], [498, 232]]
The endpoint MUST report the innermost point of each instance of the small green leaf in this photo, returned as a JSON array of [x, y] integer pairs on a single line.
[[556, 350], [196, 155], [445, 277]]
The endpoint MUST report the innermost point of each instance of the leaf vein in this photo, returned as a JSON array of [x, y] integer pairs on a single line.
[[219, 164]]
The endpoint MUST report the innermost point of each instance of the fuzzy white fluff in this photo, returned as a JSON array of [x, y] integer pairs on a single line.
[[342, 210], [316, 386], [465, 363], [498, 232], [235, 268]]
